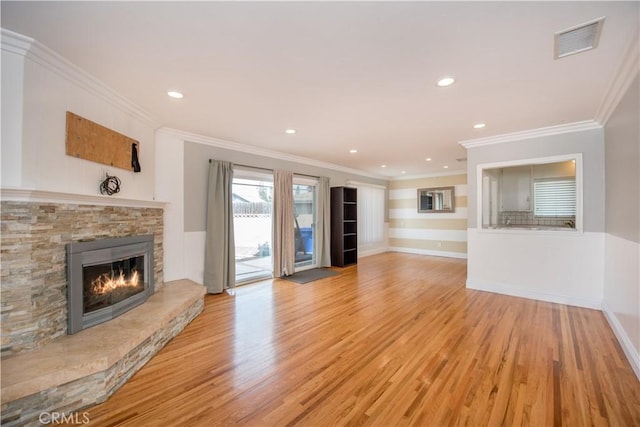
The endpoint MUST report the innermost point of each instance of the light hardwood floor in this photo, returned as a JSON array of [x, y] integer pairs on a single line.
[[395, 341]]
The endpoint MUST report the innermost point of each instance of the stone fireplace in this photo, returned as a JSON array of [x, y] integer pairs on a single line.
[[35, 234], [56, 357], [107, 277]]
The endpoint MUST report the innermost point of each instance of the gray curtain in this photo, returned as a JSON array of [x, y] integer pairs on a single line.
[[219, 251], [283, 229], [323, 222]]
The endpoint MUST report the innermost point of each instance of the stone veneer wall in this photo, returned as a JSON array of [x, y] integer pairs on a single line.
[[33, 282]]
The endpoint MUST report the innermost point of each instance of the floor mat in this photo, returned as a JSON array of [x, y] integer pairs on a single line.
[[307, 276]]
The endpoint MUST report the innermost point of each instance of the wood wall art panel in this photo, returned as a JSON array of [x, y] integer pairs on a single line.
[[90, 141]]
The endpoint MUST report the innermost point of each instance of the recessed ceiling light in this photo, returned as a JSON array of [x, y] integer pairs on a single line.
[[403, 172], [446, 167], [428, 159], [479, 125], [446, 81], [175, 94], [290, 131], [353, 151], [383, 166]]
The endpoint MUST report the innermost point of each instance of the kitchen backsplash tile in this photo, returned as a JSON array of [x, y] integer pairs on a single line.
[[528, 218]]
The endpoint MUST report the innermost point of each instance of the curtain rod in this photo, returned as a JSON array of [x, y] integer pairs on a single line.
[[270, 170]]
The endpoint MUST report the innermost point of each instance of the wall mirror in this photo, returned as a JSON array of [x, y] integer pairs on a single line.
[[439, 199]]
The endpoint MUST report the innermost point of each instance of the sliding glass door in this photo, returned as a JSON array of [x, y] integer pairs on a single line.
[[252, 203], [304, 212], [252, 220]]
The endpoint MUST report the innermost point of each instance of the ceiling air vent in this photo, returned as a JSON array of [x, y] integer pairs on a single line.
[[577, 39]]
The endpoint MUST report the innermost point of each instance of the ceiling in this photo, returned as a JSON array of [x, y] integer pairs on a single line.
[[344, 75]]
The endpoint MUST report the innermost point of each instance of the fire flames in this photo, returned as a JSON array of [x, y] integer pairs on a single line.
[[109, 282]]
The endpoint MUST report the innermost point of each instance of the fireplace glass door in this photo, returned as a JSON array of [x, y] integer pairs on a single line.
[[107, 277], [109, 283]]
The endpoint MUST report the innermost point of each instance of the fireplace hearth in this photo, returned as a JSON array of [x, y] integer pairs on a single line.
[[107, 277]]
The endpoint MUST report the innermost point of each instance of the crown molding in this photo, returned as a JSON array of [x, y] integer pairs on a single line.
[[622, 79], [355, 183], [35, 51], [532, 133], [430, 175], [15, 43], [250, 149]]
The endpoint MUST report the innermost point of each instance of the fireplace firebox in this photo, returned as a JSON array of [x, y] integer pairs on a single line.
[[106, 278]]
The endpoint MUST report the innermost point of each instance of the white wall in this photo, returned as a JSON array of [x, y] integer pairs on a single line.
[[554, 266], [621, 302], [169, 187], [12, 106], [34, 111], [558, 266], [621, 299]]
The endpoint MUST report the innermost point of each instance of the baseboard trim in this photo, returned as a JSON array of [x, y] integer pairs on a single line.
[[376, 251], [428, 252], [632, 354], [516, 291]]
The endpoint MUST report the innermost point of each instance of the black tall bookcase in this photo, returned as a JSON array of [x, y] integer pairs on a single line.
[[344, 226]]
